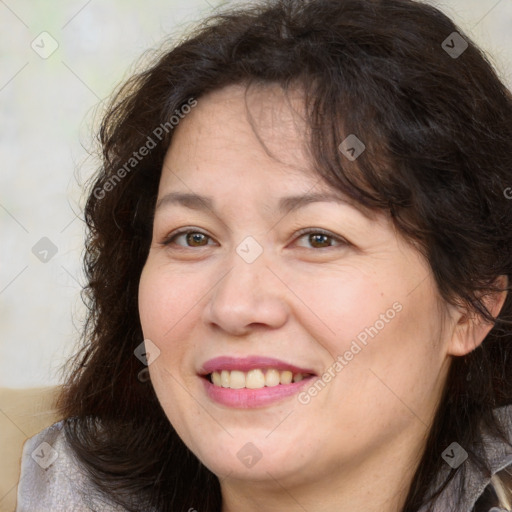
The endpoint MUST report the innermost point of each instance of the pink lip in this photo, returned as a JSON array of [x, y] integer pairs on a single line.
[[251, 398], [244, 364]]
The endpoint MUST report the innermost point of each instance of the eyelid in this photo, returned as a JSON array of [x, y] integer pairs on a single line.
[[299, 234], [183, 231], [320, 231]]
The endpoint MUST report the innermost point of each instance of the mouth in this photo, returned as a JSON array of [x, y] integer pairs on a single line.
[[252, 381], [255, 379]]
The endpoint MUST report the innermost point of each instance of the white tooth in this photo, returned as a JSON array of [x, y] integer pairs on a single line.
[[286, 377], [298, 377], [254, 379], [237, 379], [224, 379], [271, 378], [216, 378]]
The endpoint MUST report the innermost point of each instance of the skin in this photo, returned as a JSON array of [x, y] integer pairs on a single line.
[[356, 444]]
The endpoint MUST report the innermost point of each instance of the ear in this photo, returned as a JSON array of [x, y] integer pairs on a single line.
[[471, 329]]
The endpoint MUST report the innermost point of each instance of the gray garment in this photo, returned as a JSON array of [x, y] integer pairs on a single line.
[[52, 480], [499, 456]]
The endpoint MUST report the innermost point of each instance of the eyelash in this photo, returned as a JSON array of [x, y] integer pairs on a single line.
[[308, 231]]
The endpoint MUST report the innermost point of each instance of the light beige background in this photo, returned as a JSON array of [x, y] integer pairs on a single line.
[[47, 112]]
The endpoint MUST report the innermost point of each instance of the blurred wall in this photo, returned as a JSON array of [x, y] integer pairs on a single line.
[[58, 61]]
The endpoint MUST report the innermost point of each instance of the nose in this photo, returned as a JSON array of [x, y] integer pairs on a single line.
[[250, 295]]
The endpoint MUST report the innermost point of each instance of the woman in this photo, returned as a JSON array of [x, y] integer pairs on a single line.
[[298, 257]]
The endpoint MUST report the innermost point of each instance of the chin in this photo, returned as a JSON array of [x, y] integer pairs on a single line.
[[258, 460]]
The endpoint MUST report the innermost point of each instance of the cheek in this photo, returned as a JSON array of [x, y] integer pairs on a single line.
[[169, 305], [166, 301], [385, 327], [394, 377], [166, 315], [340, 304], [149, 293]]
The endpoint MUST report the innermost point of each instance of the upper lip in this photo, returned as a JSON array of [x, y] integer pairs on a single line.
[[244, 364]]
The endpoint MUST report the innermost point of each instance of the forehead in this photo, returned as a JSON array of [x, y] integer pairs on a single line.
[[239, 139], [260, 127]]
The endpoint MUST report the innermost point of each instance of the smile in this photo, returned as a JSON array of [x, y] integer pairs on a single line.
[[252, 381]]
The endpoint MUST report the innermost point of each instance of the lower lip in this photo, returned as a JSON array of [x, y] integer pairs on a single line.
[[250, 398]]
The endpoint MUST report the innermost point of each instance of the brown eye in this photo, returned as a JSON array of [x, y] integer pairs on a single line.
[[321, 240], [196, 239], [192, 239]]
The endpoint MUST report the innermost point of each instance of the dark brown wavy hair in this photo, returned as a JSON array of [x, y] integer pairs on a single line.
[[438, 135]]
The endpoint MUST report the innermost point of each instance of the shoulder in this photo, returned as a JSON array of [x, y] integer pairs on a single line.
[[482, 492], [497, 451], [52, 479], [491, 492]]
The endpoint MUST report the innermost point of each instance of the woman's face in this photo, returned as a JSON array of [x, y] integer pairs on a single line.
[[265, 285]]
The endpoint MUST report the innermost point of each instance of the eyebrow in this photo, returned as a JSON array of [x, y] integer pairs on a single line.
[[285, 204]]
